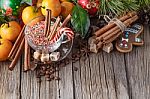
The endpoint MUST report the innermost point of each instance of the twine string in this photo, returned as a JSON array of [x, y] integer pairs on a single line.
[[120, 24]]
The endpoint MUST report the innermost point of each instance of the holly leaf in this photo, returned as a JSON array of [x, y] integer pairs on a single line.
[[80, 20]]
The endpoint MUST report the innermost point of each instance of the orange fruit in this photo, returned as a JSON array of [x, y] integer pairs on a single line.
[[5, 48], [10, 31], [30, 13], [53, 5], [66, 8], [39, 3]]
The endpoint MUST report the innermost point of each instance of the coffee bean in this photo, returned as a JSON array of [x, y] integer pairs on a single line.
[[52, 76], [57, 78], [47, 73], [43, 68], [48, 79], [47, 76], [75, 68]]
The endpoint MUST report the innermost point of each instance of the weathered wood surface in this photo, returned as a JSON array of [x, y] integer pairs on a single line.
[[101, 76]]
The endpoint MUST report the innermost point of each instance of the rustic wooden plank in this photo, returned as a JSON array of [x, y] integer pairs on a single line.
[[95, 78], [85, 78], [96, 84], [30, 88], [147, 61], [103, 76], [77, 81], [9, 81], [49, 89], [113, 76], [89, 78], [110, 80], [120, 75], [137, 64], [65, 84]]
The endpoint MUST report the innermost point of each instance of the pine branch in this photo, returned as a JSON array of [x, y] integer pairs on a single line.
[[117, 7], [113, 7], [130, 5], [144, 3]]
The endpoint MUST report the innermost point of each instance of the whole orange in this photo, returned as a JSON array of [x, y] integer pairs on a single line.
[[30, 13], [10, 30], [66, 8], [39, 3], [53, 5], [5, 48]]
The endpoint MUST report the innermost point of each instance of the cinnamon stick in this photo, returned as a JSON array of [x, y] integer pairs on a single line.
[[111, 25], [18, 54], [49, 23], [112, 38], [29, 56], [111, 35], [46, 22], [16, 44], [55, 26], [67, 19], [16, 49], [127, 23], [26, 56], [100, 44]]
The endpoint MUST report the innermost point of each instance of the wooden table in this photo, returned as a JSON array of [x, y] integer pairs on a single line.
[[100, 76]]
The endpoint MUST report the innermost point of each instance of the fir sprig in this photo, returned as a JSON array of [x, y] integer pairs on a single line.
[[117, 7], [111, 6], [130, 5], [144, 3]]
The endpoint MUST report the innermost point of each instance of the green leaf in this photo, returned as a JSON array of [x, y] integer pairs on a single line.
[[80, 20], [27, 1]]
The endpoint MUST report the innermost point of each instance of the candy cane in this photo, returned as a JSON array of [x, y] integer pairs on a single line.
[[66, 31]]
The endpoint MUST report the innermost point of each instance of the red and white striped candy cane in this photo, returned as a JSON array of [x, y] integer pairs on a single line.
[[63, 31]]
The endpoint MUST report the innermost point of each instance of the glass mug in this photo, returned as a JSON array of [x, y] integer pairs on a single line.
[[30, 36]]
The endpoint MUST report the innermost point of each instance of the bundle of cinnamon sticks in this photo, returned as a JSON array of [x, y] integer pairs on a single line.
[[111, 32]]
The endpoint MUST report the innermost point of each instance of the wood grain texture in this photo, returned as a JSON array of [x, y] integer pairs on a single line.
[[30, 88], [48, 89], [9, 81], [137, 63], [65, 83], [120, 76]]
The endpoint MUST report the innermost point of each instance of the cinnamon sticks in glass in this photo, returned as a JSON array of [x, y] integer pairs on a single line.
[[54, 29], [47, 22]]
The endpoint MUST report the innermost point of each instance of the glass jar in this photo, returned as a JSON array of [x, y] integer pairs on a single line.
[[34, 33]]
